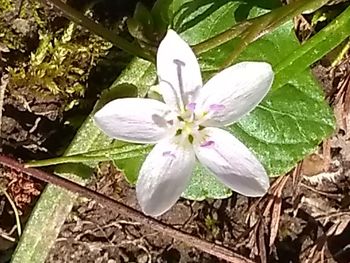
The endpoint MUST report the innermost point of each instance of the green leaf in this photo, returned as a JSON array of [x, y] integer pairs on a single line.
[[204, 185], [142, 15], [130, 167], [282, 130], [315, 48], [201, 20], [116, 151], [293, 118], [287, 125], [160, 14], [141, 24]]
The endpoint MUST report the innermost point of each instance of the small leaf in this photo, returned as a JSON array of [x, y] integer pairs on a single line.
[[140, 25], [123, 90], [142, 15], [205, 185], [160, 14], [136, 29], [130, 167]]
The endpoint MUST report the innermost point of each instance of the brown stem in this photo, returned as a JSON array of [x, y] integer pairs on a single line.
[[98, 29], [208, 247]]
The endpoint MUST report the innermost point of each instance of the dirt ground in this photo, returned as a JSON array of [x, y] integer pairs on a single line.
[[304, 218]]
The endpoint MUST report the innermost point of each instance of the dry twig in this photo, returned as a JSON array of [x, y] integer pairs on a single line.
[[3, 84], [267, 223]]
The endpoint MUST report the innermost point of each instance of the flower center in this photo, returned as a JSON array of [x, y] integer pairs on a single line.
[[189, 124]]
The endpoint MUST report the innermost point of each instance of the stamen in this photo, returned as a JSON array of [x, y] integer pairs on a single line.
[[216, 107], [208, 144], [173, 91], [179, 65], [191, 106]]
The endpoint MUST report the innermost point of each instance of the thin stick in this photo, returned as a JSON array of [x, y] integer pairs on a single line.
[[3, 84], [4, 236], [98, 29], [15, 210], [208, 247]]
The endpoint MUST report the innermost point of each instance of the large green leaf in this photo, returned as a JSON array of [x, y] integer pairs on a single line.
[[293, 118], [287, 125]]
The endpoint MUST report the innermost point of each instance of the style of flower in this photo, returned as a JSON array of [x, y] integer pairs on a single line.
[[185, 127]]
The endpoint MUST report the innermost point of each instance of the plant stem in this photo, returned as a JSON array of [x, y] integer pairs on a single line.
[[255, 28], [67, 159], [222, 38], [116, 153], [315, 48], [342, 54], [98, 29]]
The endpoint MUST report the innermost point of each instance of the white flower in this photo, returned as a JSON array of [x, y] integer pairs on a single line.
[[185, 126]]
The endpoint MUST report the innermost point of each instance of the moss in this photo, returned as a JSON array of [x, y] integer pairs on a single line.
[[61, 62], [16, 24], [6, 6]]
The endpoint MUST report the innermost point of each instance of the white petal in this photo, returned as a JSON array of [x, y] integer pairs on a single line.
[[164, 176], [178, 71], [232, 162], [136, 120], [234, 92]]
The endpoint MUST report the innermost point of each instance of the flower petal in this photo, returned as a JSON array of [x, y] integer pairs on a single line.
[[164, 176], [234, 92], [136, 120], [232, 162], [178, 71]]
